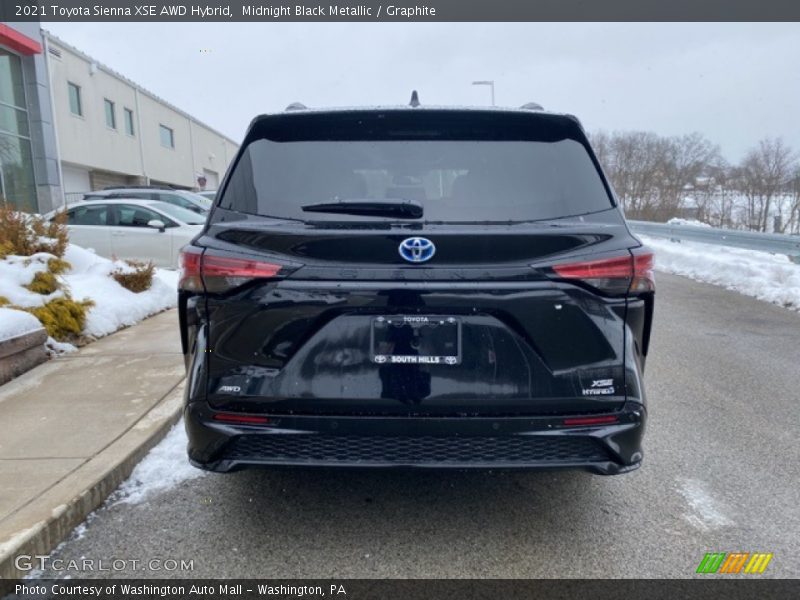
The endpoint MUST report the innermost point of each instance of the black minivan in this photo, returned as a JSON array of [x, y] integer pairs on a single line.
[[416, 287]]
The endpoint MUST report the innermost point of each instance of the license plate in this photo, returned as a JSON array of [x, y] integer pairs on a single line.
[[416, 340]]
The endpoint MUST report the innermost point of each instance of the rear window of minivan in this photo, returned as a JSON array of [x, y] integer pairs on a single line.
[[455, 180]]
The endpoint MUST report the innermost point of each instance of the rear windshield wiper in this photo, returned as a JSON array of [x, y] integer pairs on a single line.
[[390, 207]]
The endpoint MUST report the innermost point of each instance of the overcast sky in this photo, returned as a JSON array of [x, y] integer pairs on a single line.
[[735, 83]]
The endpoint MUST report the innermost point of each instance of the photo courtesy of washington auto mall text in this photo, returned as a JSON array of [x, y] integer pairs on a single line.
[[430, 299]]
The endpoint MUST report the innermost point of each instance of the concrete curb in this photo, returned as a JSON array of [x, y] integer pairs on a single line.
[[21, 353], [88, 487]]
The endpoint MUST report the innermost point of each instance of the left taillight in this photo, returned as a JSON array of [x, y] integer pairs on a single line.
[[189, 278], [213, 273], [631, 273]]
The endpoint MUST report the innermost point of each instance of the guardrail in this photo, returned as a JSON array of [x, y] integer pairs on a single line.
[[775, 243]]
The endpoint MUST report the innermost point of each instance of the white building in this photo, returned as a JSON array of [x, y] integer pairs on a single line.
[[113, 132], [87, 127]]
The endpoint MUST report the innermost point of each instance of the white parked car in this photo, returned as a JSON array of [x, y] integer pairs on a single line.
[[208, 194], [131, 228]]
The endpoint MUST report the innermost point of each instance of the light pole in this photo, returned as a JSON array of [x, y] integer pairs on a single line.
[[489, 83]]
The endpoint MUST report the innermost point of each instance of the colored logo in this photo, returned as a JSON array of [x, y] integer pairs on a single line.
[[417, 249], [730, 563]]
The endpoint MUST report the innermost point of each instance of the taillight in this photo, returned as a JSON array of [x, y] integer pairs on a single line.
[[216, 274], [617, 275], [189, 278], [643, 277], [222, 273]]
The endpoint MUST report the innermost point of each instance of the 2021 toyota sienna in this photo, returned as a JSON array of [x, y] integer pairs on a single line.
[[416, 287]]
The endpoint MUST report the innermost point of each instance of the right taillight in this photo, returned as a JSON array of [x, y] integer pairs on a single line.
[[215, 274], [615, 275], [643, 276]]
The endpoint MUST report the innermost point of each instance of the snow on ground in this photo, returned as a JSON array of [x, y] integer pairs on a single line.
[[692, 222], [770, 277], [56, 348], [170, 277], [704, 513], [115, 307], [164, 467], [18, 271], [14, 323], [89, 278]]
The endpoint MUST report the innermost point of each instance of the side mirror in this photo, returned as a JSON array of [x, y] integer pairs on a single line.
[[157, 224]]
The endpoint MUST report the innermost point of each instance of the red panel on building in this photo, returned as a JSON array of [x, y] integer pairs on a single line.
[[11, 38]]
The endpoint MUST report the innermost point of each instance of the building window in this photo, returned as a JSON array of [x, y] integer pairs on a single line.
[[167, 136], [129, 122], [12, 89], [75, 105], [17, 184], [111, 116]]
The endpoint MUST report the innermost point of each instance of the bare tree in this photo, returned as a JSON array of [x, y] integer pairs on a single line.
[[792, 224], [653, 175], [650, 172], [765, 174], [686, 158], [636, 160]]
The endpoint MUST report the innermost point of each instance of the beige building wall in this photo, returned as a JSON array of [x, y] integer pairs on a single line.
[[112, 154]]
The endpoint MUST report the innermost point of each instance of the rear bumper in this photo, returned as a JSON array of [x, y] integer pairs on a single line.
[[417, 442]]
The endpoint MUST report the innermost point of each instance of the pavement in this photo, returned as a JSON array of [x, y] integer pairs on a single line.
[[720, 474], [74, 428]]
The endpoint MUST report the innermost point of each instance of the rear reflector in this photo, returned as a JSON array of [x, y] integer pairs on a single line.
[[242, 419], [620, 274], [591, 420]]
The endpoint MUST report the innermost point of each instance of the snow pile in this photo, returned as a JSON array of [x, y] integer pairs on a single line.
[[56, 348], [163, 468], [692, 222], [18, 271], [88, 279], [115, 307], [14, 323], [770, 277]]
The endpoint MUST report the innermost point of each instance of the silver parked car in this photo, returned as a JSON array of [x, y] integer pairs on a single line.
[[184, 199]]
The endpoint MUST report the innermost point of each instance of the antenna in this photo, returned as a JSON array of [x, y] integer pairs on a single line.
[[296, 106], [414, 99], [532, 106]]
